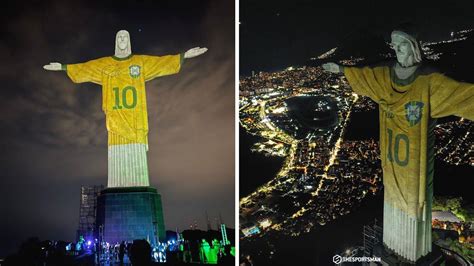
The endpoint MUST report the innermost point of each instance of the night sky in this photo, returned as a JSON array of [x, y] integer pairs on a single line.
[[277, 34], [53, 135]]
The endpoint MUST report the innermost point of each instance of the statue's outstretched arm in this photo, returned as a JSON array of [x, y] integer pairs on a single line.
[[90, 71], [53, 66], [196, 51], [451, 97], [333, 68]]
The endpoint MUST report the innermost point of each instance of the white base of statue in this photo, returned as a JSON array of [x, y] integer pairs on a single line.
[[407, 236], [128, 166]]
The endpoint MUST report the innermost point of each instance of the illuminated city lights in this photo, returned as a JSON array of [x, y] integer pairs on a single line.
[[323, 175]]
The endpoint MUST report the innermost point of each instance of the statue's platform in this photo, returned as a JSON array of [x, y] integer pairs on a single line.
[[129, 213]]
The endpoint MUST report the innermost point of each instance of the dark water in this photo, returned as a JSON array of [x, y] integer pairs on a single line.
[[303, 110], [255, 168]]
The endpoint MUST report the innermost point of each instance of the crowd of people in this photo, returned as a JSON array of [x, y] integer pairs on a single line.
[[137, 252], [171, 252]]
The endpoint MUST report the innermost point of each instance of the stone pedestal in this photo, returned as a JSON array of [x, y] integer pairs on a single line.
[[126, 214]]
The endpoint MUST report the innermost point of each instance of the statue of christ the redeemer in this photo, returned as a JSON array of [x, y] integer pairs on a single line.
[[123, 78], [410, 96]]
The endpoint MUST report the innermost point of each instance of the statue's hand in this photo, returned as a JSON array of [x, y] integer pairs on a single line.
[[53, 66], [193, 52], [331, 67]]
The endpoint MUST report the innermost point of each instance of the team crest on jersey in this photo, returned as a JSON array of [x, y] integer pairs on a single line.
[[413, 112], [134, 71]]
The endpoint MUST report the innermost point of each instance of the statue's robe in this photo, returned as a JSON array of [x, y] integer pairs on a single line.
[[125, 107], [408, 111]]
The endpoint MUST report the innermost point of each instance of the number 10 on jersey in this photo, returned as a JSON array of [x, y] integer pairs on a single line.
[[401, 141], [121, 98]]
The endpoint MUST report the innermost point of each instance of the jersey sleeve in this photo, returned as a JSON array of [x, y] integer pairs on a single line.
[[366, 81], [157, 66], [90, 71], [451, 97]]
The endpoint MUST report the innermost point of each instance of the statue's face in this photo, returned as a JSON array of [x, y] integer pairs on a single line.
[[403, 50], [122, 40]]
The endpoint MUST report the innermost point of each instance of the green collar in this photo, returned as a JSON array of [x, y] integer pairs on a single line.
[[403, 82], [122, 58]]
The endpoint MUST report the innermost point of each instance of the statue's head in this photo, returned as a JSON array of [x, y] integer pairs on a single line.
[[406, 47], [122, 43]]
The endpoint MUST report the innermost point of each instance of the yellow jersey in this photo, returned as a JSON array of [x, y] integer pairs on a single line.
[[408, 112], [123, 90]]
